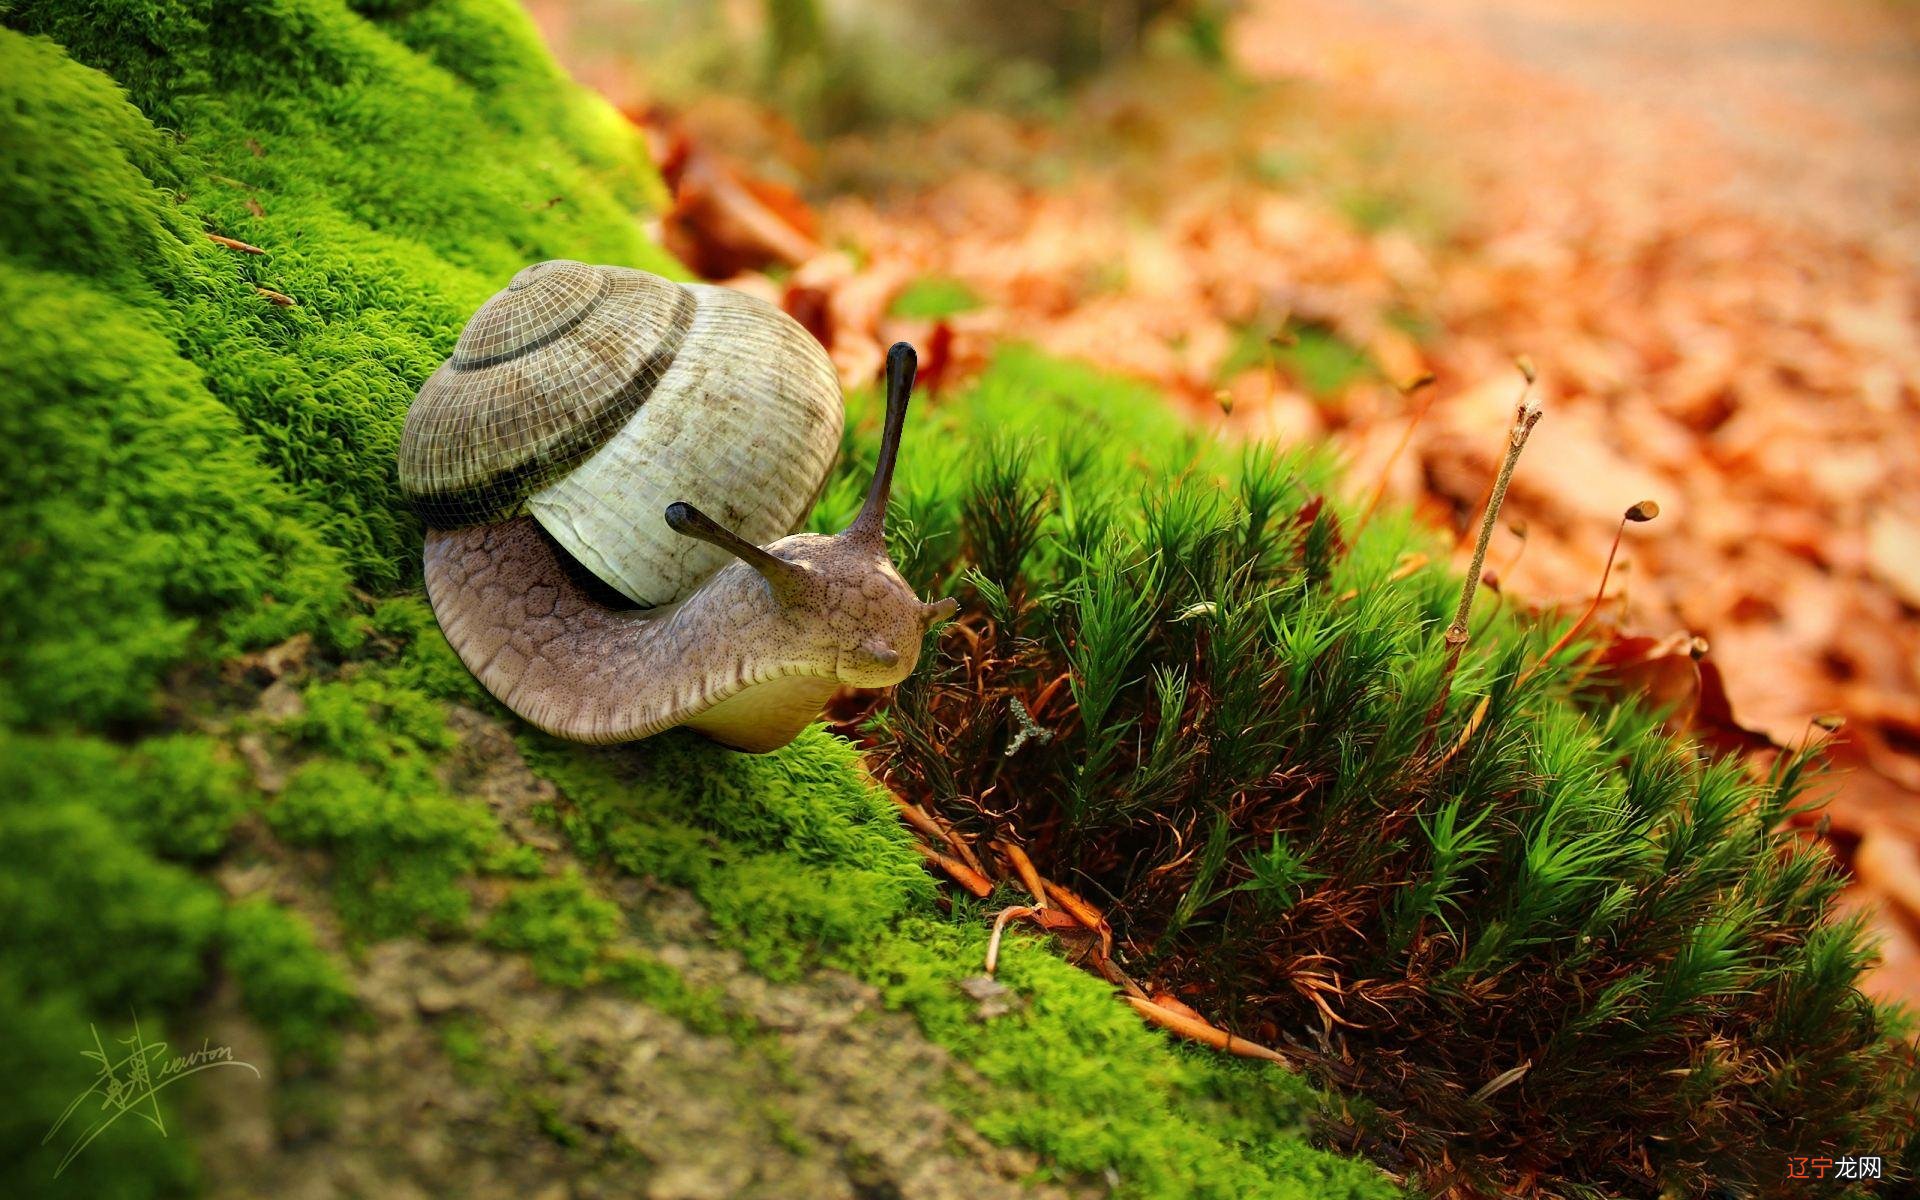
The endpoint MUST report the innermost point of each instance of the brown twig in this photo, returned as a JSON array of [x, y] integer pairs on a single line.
[[1084, 913], [999, 928], [1072, 913], [962, 847], [917, 817], [1047, 693], [1111, 972], [1023, 867], [936, 830], [1046, 918], [280, 299]]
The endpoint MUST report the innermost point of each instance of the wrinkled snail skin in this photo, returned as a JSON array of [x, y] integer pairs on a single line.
[[580, 400], [737, 661]]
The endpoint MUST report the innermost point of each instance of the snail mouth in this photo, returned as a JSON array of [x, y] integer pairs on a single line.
[[860, 667]]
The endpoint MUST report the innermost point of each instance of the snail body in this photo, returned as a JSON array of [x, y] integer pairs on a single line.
[[565, 460]]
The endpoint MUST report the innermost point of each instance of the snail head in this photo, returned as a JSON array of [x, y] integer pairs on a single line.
[[862, 622]]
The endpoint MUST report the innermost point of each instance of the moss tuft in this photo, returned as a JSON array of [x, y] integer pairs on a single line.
[[401, 848], [563, 926], [792, 853], [1315, 357], [420, 658], [84, 909], [932, 298], [290, 985], [40, 1058], [1081, 1080]]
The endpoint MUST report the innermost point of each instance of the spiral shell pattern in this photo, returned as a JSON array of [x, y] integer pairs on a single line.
[[593, 397]]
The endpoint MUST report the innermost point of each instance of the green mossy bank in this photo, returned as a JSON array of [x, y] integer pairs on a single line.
[[199, 469]]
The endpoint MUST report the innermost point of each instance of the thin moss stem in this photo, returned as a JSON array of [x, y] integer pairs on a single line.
[[1422, 384], [1646, 510], [1526, 415]]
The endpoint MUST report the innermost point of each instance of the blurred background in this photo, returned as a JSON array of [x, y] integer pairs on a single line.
[[1700, 223]]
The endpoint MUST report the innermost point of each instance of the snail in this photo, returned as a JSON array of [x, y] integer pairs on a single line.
[[561, 460]]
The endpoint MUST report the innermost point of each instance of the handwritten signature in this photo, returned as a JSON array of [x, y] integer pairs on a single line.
[[131, 1083]]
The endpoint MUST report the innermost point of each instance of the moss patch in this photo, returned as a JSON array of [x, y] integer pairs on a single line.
[[1313, 356], [297, 990], [217, 468], [933, 297], [196, 470], [792, 853]]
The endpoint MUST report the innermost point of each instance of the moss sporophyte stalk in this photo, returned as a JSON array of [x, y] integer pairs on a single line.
[[241, 767]]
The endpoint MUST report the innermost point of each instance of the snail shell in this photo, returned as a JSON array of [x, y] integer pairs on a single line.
[[593, 397]]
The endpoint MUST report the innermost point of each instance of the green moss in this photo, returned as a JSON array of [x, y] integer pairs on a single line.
[[42, 1060], [418, 653], [197, 469], [371, 720], [465, 1045], [177, 795], [370, 792], [184, 792], [143, 528], [547, 1118], [574, 937], [1084, 1082], [1258, 761], [792, 853], [85, 910], [401, 849], [563, 927], [933, 297], [1313, 356], [290, 985]]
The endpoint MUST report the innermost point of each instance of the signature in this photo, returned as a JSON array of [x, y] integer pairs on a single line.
[[131, 1083]]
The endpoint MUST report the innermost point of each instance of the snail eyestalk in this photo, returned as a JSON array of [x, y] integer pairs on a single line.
[[784, 576], [870, 525]]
